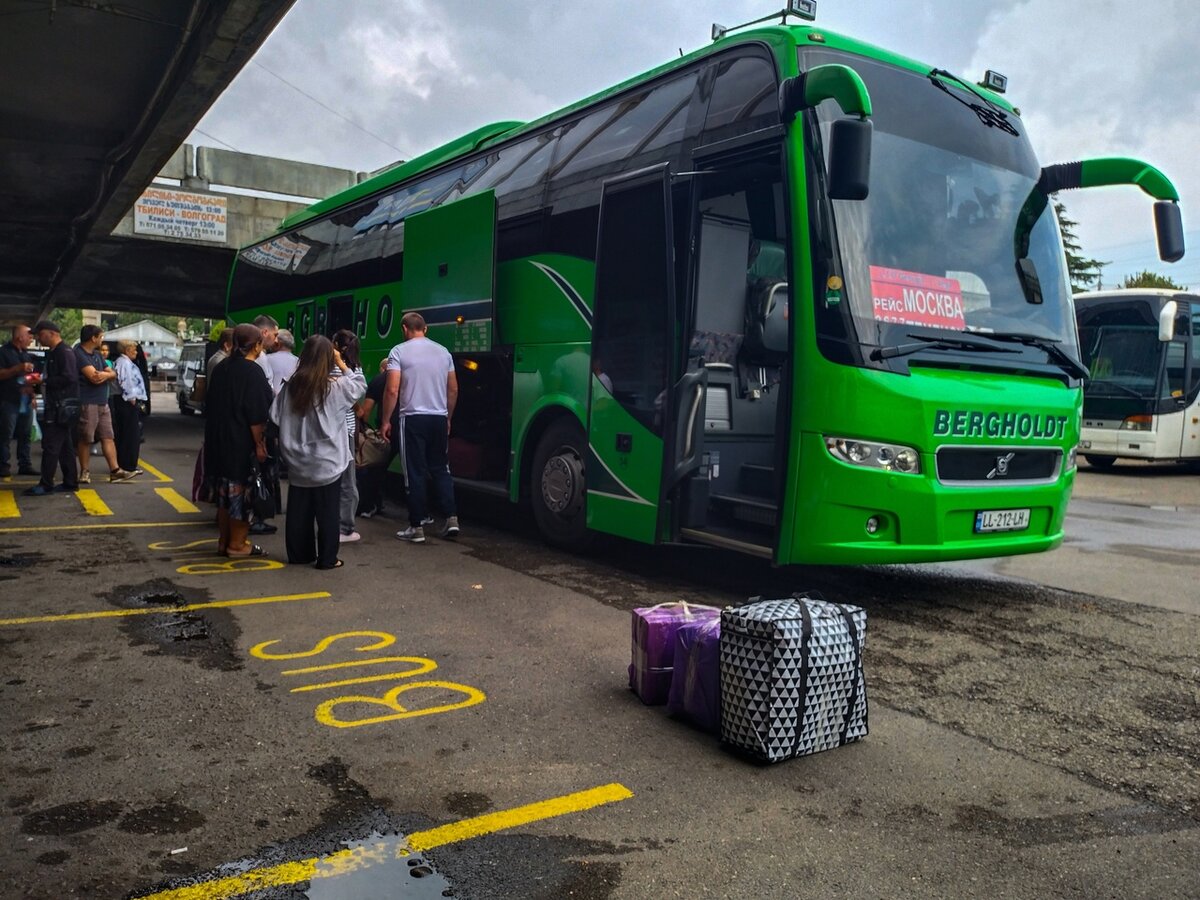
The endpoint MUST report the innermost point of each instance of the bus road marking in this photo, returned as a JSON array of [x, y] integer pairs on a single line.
[[344, 862], [154, 610], [395, 710], [177, 501], [8, 506], [91, 502], [31, 529], [145, 466]]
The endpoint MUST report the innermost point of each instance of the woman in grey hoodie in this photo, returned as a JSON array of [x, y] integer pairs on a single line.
[[310, 411]]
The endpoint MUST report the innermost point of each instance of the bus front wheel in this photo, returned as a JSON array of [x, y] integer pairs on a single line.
[[1100, 462], [559, 489]]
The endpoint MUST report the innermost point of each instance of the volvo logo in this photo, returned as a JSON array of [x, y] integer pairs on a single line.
[[1001, 469]]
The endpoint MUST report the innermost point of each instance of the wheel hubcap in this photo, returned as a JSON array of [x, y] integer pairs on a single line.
[[562, 484]]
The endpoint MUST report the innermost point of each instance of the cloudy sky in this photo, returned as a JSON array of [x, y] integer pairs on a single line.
[[360, 83]]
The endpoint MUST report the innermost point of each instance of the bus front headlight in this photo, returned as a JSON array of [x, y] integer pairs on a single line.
[[874, 455]]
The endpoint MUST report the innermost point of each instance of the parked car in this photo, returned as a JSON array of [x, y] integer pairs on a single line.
[[163, 366], [191, 364]]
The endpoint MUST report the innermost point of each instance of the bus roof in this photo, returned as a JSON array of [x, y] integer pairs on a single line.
[[786, 35]]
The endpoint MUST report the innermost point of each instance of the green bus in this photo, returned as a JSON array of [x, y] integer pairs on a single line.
[[789, 294]]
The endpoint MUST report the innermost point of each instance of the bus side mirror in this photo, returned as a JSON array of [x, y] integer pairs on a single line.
[[1168, 226], [1166, 321], [850, 159]]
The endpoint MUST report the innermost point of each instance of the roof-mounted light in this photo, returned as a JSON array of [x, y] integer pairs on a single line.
[[801, 9], [805, 9], [994, 82]]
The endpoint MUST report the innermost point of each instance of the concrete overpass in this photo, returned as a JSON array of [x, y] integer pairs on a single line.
[[172, 250], [97, 98]]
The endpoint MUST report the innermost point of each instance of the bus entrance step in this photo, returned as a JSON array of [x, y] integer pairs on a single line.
[[755, 480]]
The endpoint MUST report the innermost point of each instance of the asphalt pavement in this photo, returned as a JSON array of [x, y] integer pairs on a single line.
[[454, 719]]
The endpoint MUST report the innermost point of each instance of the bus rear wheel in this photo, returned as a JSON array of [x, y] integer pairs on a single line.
[[559, 489], [1100, 462]]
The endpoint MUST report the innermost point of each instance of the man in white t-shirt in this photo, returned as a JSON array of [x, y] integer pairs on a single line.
[[418, 404], [270, 332], [282, 363]]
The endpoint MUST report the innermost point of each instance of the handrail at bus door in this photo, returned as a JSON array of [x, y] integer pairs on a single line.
[[688, 444]]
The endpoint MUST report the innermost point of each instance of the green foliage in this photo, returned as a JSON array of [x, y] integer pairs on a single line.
[[1084, 272], [1148, 279], [69, 321]]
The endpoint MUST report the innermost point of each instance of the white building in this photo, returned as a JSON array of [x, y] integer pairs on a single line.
[[155, 339]]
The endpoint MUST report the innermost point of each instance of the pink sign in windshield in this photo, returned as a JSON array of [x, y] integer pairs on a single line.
[[910, 298]]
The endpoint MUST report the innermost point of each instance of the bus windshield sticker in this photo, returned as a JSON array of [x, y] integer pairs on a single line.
[[910, 298]]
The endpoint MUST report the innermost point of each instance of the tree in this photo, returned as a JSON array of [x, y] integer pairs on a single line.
[[69, 321], [1148, 279], [1084, 272]]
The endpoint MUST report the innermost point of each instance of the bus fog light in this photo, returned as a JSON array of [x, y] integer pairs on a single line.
[[889, 457], [872, 524]]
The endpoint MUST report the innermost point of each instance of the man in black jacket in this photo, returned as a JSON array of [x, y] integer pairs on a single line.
[[16, 400], [61, 412]]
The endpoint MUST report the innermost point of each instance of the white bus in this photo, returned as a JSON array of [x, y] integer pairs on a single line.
[[1142, 350]]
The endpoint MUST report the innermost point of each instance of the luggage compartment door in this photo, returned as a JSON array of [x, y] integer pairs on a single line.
[[450, 272]]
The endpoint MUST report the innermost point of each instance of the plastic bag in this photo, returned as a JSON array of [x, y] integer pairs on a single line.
[[35, 429]]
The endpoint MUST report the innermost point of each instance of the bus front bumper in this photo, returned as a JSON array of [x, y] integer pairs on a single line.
[[854, 515]]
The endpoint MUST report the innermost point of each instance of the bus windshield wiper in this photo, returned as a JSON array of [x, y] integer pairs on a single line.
[[1051, 349], [992, 115], [1120, 387], [926, 342]]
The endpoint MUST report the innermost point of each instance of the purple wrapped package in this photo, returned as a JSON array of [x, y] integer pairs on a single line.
[[696, 687], [654, 630]]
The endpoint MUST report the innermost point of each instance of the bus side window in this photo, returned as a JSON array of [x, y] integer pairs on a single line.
[[743, 98], [1195, 342]]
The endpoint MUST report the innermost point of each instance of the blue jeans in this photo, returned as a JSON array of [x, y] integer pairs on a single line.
[[14, 423]]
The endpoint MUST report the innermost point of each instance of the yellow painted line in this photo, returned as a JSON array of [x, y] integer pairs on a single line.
[[8, 506], [91, 502], [152, 610], [308, 670], [343, 862], [22, 529], [146, 467], [178, 502]]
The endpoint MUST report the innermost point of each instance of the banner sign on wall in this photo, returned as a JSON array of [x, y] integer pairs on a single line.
[[181, 214]]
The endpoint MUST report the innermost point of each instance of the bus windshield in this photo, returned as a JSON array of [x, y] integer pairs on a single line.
[[1124, 360], [937, 247]]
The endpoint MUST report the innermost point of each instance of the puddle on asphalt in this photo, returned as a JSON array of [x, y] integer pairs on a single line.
[[385, 874]]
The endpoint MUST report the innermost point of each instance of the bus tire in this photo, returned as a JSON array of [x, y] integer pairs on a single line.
[[558, 489], [1100, 462]]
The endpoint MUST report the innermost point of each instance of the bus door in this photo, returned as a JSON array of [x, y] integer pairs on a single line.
[[738, 346], [633, 338]]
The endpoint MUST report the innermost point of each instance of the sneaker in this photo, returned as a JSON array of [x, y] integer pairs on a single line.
[[412, 535], [428, 520], [349, 538], [450, 532], [121, 475], [66, 489], [370, 513], [139, 471], [38, 490], [85, 477]]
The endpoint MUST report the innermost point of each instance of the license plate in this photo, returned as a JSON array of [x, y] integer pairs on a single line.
[[1001, 520]]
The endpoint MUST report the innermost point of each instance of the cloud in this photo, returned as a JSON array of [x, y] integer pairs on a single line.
[[1093, 77], [1095, 80]]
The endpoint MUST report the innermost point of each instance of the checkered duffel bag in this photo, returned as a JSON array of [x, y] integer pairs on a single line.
[[792, 677]]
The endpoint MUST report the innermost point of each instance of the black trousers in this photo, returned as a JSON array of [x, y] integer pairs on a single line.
[[126, 420], [306, 507], [58, 448], [423, 442]]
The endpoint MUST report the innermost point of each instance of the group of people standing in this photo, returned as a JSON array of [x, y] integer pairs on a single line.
[[87, 398], [264, 403]]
